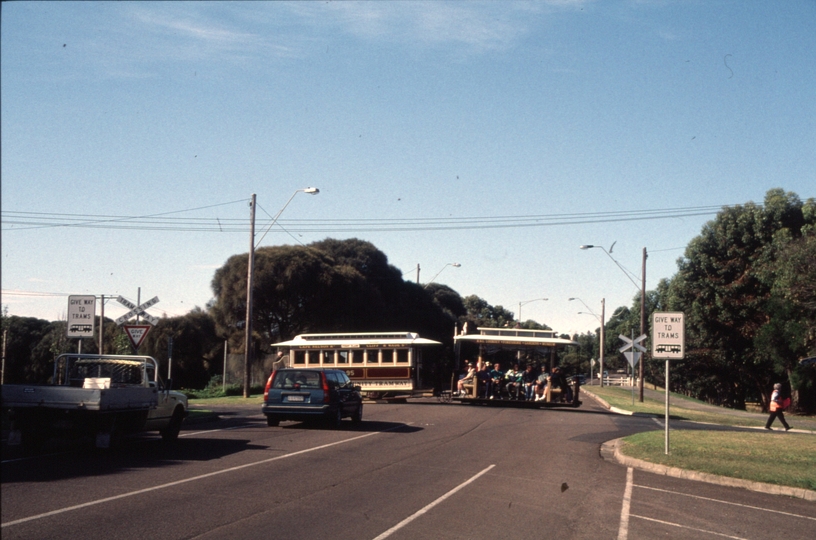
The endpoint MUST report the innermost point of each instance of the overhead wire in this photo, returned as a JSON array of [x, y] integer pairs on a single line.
[[17, 221]]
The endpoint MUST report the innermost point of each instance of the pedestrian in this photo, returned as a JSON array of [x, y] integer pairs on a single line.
[[777, 406], [281, 361]]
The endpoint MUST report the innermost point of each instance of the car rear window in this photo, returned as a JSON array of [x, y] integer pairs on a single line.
[[296, 379]]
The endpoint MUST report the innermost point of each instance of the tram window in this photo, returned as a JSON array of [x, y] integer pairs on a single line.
[[315, 357], [300, 357], [402, 356], [342, 357], [357, 357], [388, 356], [328, 358], [373, 356]]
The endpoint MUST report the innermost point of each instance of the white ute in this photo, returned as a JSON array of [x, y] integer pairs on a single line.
[[106, 395]]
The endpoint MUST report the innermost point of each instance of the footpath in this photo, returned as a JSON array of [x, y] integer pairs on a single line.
[[611, 451]]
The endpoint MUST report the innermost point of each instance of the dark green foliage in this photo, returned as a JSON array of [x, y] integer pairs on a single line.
[[740, 336], [329, 286], [197, 351], [481, 313], [26, 359]]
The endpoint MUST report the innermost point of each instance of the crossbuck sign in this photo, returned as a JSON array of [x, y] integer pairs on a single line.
[[632, 349], [137, 310]]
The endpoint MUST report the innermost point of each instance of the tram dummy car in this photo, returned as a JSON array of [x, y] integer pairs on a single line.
[[536, 346], [382, 364]]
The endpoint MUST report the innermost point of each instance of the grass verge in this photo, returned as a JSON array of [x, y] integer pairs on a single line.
[[254, 399], [780, 458], [621, 398]]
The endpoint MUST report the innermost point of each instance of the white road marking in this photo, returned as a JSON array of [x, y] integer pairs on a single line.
[[186, 480], [658, 422], [418, 513], [726, 502], [212, 430], [689, 528], [623, 529]]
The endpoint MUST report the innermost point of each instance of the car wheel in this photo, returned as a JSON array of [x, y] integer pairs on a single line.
[[358, 414], [338, 418], [171, 432], [272, 421]]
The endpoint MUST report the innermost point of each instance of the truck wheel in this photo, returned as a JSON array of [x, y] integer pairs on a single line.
[[271, 421], [171, 432]]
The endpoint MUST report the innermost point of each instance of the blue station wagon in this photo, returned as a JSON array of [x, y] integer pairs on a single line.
[[311, 394]]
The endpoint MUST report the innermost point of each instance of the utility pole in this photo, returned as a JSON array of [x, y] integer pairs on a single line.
[[3, 367], [248, 324], [102, 326], [417, 273], [642, 324], [603, 312]]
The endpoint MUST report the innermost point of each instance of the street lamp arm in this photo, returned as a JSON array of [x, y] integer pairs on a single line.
[[310, 190], [525, 302], [455, 265], [586, 306], [624, 270]]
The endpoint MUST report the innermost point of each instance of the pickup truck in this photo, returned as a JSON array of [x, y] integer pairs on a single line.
[[106, 395]]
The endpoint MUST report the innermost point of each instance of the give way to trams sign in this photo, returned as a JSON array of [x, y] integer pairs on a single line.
[[136, 333]]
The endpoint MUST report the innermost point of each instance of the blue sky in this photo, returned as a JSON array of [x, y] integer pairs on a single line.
[[567, 118]]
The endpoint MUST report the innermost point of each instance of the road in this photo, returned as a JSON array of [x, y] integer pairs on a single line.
[[409, 471]]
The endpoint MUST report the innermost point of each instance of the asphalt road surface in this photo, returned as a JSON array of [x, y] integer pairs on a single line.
[[409, 471]]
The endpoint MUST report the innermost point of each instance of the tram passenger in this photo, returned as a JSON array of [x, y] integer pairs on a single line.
[[528, 379], [557, 380], [513, 381], [466, 377], [541, 385], [496, 379], [483, 376]]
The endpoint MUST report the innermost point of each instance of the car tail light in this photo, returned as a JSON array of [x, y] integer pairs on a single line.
[[268, 385], [326, 393]]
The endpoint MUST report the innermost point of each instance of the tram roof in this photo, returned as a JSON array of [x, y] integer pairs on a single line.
[[515, 337], [367, 338]]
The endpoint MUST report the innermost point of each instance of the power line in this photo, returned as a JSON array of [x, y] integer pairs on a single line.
[[159, 222]]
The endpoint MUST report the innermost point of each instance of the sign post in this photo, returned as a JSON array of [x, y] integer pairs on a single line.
[[669, 342], [632, 349]]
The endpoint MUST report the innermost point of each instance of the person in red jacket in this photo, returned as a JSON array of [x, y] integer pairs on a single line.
[[776, 408]]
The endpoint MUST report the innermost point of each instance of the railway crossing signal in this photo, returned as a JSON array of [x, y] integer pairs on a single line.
[[136, 333], [633, 355], [137, 310]]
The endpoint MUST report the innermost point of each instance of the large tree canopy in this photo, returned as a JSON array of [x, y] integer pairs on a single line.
[[326, 286], [725, 286]]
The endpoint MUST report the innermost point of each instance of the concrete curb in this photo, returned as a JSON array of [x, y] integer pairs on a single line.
[[615, 410], [610, 451]]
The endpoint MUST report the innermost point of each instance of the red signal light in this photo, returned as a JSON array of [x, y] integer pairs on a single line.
[[268, 385], [326, 392]]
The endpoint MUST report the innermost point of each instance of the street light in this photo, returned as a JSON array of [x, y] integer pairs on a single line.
[[524, 303], [586, 306], [602, 338], [250, 268], [455, 265], [642, 303]]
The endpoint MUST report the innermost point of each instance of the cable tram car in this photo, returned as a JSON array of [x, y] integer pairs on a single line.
[[383, 364]]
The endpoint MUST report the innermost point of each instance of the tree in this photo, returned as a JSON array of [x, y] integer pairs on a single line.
[[724, 286], [196, 348], [328, 286], [481, 313], [25, 362]]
